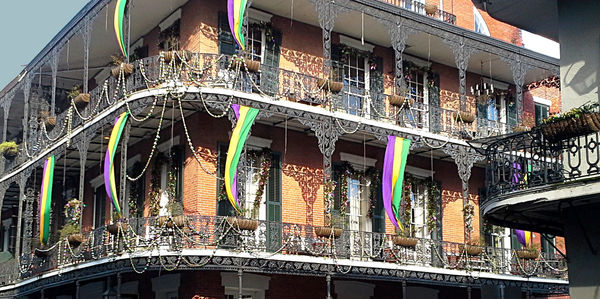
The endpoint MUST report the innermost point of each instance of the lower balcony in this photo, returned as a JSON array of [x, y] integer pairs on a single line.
[[191, 241]]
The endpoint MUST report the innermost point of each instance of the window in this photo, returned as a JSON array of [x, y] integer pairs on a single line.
[[541, 112], [548, 244], [99, 207], [416, 82], [352, 68], [418, 211], [480, 25], [169, 38]]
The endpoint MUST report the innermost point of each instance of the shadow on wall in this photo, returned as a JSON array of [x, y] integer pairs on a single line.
[[309, 180], [581, 78]]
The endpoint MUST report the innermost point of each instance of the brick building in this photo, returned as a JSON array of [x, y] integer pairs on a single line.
[[331, 81]]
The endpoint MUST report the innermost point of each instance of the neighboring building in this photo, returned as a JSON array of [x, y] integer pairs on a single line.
[[402, 68], [547, 179]]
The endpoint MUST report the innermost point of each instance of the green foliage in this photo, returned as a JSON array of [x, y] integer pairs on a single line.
[[74, 92], [174, 208], [8, 146], [571, 114], [68, 229]]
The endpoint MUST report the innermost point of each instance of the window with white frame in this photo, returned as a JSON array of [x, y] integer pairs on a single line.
[[418, 211], [355, 78], [253, 285], [542, 109], [480, 25], [255, 43], [416, 82]]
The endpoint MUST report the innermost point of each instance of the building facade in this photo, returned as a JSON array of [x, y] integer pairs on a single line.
[[331, 81]]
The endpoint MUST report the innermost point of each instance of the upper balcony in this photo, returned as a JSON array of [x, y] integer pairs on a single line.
[[530, 175]]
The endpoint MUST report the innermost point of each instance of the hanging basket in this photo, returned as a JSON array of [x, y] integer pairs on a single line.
[[174, 221], [527, 254], [179, 56], [116, 227], [252, 65], [75, 240], [328, 231], [471, 250], [431, 9], [243, 224], [404, 241], [585, 124], [50, 122], [42, 252], [10, 153], [328, 84], [463, 116], [518, 129], [127, 69], [82, 100]]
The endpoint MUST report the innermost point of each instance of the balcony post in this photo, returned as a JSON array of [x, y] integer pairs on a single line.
[[327, 133], [30, 196], [327, 12], [87, 26], [399, 33], [404, 289], [469, 292], [23, 177], [83, 146], [240, 291], [462, 53], [6, 102], [328, 278], [26, 94], [519, 70], [54, 66], [77, 286], [464, 157], [123, 183]]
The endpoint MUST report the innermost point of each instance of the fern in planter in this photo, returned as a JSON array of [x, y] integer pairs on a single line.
[[9, 148]]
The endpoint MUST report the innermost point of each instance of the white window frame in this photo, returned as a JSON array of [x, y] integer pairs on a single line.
[[359, 203], [255, 143], [164, 174], [422, 175], [479, 24]]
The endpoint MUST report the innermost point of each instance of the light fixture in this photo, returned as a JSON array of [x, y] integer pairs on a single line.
[[483, 91]]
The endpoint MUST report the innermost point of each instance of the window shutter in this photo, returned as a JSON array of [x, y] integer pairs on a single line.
[[434, 103], [378, 220], [274, 190], [227, 45], [376, 87], [224, 208], [177, 153]]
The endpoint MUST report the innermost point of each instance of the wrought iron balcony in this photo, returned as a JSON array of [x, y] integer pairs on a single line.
[[419, 7], [170, 244], [528, 160]]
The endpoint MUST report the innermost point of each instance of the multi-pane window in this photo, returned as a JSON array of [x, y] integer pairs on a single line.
[[541, 112], [418, 211], [355, 79], [253, 171], [358, 200], [254, 43], [416, 91]]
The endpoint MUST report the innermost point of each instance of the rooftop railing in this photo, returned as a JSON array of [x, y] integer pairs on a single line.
[[420, 8], [161, 237]]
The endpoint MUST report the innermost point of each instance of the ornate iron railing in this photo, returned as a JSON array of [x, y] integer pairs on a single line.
[[419, 7], [162, 238], [522, 161]]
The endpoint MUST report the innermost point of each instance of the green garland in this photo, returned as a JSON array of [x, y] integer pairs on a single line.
[[347, 171], [432, 204], [265, 167], [328, 197]]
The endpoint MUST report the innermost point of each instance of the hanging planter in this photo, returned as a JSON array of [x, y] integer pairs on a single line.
[[117, 226], [41, 252], [518, 129], [179, 56], [242, 223], [431, 9], [9, 149], [404, 241], [328, 231], [472, 250], [82, 100], [126, 68], [75, 240], [328, 84], [48, 119], [251, 65], [464, 116], [171, 222], [574, 123], [527, 254]]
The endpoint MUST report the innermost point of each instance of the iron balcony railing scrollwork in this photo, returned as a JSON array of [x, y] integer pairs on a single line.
[[522, 161], [165, 240]]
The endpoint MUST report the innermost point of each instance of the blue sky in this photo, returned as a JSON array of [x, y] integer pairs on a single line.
[[26, 27]]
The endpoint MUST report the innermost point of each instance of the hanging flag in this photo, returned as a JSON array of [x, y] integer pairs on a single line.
[[118, 23], [46, 199], [245, 118], [393, 177], [109, 166], [524, 237], [236, 10]]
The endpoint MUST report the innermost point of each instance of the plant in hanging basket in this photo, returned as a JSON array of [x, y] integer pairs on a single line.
[[471, 247], [328, 231], [530, 252], [79, 98], [518, 129], [176, 218], [463, 116], [576, 122], [121, 66], [71, 231], [431, 9], [252, 66], [48, 119], [9, 149], [117, 226], [331, 85], [243, 223], [403, 239], [179, 56]]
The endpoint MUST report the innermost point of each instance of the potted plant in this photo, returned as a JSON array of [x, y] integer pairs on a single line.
[[178, 56], [463, 116], [471, 247], [79, 98], [118, 224], [333, 83], [48, 119], [431, 9], [576, 122], [72, 230], [121, 66], [9, 149], [175, 218], [404, 239], [252, 66], [530, 252], [243, 223]]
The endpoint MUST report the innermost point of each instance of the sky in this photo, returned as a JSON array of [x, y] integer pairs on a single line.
[[26, 27], [540, 44]]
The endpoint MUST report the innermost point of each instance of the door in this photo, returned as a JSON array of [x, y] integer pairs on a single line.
[[273, 202]]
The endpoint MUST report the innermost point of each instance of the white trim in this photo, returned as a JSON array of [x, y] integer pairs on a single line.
[[170, 20], [419, 172], [258, 142], [163, 147], [358, 162], [255, 16], [97, 181], [478, 18], [354, 43], [417, 61], [542, 101]]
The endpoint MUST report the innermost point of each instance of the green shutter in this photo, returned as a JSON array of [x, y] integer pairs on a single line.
[[274, 190], [434, 103], [224, 208], [227, 45]]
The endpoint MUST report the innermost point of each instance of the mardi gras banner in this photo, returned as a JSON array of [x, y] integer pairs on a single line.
[[394, 164]]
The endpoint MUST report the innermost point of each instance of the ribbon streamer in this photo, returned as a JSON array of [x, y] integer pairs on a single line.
[[245, 118], [46, 199], [109, 166], [118, 23], [394, 164], [524, 237], [236, 10]]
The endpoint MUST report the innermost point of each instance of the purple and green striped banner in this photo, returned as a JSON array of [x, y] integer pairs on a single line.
[[393, 177], [109, 166]]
